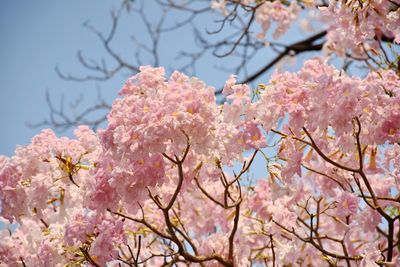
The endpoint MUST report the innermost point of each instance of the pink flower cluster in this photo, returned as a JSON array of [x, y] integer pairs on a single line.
[[374, 100], [354, 27], [277, 12], [167, 180]]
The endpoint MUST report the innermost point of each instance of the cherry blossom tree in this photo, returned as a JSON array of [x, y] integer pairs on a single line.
[[168, 181]]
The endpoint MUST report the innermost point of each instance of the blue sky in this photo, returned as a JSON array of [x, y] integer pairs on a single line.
[[37, 35]]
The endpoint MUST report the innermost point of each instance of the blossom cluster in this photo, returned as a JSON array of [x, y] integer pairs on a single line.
[[357, 26], [161, 182], [354, 27]]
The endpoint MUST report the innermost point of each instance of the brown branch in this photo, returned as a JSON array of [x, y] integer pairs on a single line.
[[141, 221], [208, 195], [298, 47], [245, 32], [325, 157], [233, 232], [87, 256], [22, 261], [60, 119], [321, 249], [273, 250], [185, 233], [323, 174]]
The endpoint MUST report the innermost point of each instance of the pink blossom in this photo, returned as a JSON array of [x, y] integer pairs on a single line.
[[347, 204]]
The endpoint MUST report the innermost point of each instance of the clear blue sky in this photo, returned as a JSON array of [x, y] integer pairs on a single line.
[[35, 36]]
